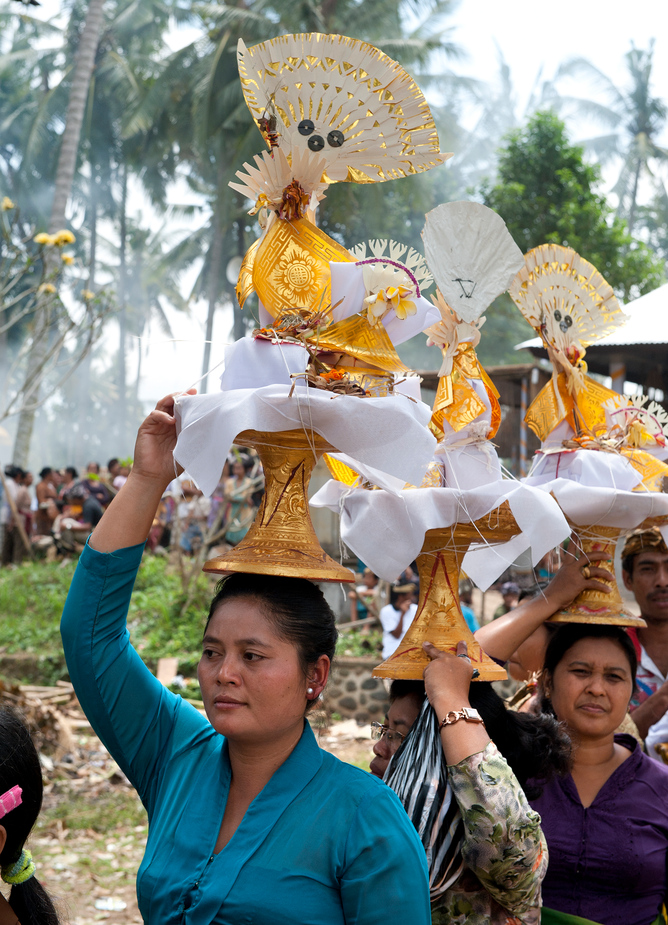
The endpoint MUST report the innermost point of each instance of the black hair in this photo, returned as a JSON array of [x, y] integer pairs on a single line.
[[535, 746], [570, 633], [19, 764], [296, 607], [72, 471], [47, 470], [112, 462]]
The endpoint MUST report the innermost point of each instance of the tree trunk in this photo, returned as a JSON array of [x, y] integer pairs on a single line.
[[67, 158], [83, 421], [122, 319], [632, 209]]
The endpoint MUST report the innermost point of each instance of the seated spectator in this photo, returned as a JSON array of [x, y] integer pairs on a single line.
[[70, 479], [121, 477], [95, 485], [75, 529]]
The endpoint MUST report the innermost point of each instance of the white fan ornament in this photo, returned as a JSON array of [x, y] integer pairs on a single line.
[[471, 255], [337, 109]]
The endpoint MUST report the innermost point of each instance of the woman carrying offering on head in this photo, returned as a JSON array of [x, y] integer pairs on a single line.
[[249, 820], [496, 843], [606, 823]]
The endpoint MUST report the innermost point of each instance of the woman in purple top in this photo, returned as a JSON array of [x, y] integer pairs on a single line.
[[606, 823]]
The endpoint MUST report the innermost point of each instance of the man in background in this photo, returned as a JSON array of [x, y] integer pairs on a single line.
[[645, 574]]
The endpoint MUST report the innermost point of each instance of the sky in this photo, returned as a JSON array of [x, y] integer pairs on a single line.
[[533, 38]]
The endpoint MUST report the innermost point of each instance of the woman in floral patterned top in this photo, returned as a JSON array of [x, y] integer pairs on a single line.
[[502, 847]]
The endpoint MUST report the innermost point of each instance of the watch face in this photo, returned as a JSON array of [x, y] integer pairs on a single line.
[[472, 715]]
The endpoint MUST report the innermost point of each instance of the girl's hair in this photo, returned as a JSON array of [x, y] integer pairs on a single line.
[[570, 633], [296, 607], [535, 746], [19, 765], [47, 470]]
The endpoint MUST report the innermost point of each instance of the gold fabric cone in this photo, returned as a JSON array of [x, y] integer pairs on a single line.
[[281, 540], [439, 618], [597, 606], [290, 267]]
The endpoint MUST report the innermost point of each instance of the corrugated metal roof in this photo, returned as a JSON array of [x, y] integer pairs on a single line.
[[647, 324]]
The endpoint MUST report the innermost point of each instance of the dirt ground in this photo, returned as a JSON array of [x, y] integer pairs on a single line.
[[90, 838]]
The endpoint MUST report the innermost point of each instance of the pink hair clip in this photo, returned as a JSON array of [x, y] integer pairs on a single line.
[[10, 800]]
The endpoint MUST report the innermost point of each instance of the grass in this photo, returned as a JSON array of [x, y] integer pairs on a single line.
[[32, 599]]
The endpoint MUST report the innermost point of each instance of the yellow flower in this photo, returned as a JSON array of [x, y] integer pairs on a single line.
[[63, 237], [87, 295], [44, 238], [68, 259], [6, 204], [47, 287]]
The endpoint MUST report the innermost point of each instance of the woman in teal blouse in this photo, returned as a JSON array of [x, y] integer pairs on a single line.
[[249, 821]]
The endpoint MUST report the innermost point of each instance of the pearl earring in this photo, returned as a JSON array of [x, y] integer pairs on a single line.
[[309, 691]]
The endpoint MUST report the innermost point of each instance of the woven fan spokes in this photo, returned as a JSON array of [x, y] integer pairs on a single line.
[[565, 298], [342, 99]]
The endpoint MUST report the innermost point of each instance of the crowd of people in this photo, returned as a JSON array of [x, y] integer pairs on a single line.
[[56, 514]]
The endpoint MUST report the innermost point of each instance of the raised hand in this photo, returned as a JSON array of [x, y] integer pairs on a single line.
[[156, 439]]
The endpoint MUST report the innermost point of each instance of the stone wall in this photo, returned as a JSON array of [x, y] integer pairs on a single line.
[[353, 693]]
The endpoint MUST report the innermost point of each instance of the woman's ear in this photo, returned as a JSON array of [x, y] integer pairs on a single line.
[[3, 838], [317, 676]]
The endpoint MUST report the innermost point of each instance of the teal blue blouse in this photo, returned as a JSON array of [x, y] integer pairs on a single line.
[[323, 844]]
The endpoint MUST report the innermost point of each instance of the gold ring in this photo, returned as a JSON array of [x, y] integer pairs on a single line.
[[586, 571]]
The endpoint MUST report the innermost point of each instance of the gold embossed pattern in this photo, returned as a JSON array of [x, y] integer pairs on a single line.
[[439, 619], [282, 540]]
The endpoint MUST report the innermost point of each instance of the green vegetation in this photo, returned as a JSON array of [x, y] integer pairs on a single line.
[[32, 598], [547, 194], [355, 643]]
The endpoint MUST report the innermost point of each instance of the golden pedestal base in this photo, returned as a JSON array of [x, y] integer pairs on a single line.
[[282, 540], [596, 606], [439, 618]]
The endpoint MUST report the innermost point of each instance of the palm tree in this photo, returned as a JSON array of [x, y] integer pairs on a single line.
[[634, 120]]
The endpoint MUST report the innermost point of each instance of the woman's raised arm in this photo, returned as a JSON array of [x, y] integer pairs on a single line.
[[128, 518], [505, 635]]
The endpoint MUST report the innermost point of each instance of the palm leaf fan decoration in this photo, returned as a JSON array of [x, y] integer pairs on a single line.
[[342, 100], [565, 299], [471, 255]]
